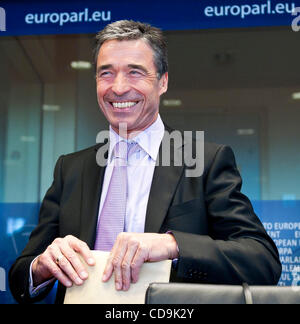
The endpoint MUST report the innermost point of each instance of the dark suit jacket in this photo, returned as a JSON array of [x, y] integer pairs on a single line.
[[220, 238]]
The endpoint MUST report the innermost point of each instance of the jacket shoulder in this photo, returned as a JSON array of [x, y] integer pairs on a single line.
[[75, 160], [82, 153]]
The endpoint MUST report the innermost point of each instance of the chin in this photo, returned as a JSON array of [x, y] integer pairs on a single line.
[[116, 123]]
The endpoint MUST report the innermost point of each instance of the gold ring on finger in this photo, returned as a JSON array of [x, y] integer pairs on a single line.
[[58, 259]]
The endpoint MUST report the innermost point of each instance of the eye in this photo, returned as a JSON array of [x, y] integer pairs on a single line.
[[135, 73], [104, 74]]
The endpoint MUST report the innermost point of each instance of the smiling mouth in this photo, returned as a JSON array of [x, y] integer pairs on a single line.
[[124, 104]]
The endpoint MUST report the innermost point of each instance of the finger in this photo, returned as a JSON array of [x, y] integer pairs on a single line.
[[49, 269], [74, 262], [137, 262], [81, 248], [116, 258], [109, 267], [64, 265], [59, 275], [127, 262], [118, 272], [117, 263]]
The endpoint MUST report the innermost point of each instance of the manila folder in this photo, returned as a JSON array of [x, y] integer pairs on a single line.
[[95, 291]]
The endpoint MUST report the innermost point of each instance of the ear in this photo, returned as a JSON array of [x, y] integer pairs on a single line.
[[163, 83]]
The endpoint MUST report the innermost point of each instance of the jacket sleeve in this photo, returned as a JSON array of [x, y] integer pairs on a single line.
[[41, 237], [237, 248]]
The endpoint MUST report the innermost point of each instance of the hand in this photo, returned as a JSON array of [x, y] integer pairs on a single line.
[[61, 261], [131, 250]]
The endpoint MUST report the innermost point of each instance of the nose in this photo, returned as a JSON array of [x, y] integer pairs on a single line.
[[120, 84]]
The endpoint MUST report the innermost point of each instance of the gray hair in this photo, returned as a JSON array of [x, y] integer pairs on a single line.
[[132, 30]]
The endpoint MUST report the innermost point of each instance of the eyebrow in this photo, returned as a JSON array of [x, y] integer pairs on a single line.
[[138, 67], [104, 67]]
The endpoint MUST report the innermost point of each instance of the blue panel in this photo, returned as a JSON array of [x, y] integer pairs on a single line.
[[282, 221], [16, 223], [73, 17]]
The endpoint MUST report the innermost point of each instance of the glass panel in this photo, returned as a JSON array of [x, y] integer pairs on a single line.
[[21, 91], [20, 106]]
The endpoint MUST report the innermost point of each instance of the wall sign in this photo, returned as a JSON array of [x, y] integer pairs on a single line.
[[73, 17]]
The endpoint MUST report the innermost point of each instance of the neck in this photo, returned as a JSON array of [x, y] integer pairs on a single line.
[[129, 134]]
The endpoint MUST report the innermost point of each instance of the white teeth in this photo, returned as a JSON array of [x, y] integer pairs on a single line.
[[123, 104]]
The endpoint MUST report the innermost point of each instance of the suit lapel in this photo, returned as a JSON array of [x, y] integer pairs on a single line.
[[164, 183], [92, 182]]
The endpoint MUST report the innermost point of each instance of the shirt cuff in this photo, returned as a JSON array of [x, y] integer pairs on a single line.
[[35, 291], [170, 232], [174, 261]]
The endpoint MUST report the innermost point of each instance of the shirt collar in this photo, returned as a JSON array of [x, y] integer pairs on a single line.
[[149, 139]]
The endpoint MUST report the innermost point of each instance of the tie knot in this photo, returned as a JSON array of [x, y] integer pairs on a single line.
[[132, 148], [123, 150]]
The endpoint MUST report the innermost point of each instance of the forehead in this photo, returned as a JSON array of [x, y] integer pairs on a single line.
[[115, 52]]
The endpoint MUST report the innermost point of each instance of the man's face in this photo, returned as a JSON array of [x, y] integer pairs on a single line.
[[128, 89]]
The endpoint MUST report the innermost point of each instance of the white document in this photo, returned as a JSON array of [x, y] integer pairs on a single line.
[[95, 291]]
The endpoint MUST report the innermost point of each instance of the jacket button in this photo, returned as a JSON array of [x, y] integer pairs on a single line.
[[190, 273]]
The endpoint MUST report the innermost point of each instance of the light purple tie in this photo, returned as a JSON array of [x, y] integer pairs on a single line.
[[112, 218]]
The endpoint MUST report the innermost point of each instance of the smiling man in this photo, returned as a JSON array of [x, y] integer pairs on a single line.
[[128, 85], [139, 210]]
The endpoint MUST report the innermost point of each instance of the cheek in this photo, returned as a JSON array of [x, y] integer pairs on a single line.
[[102, 87], [149, 93], [100, 101], [100, 92]]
